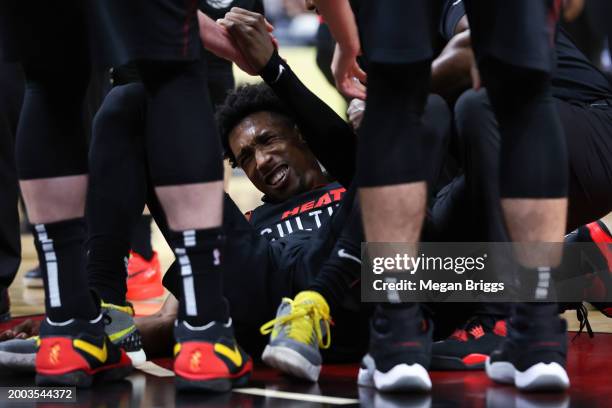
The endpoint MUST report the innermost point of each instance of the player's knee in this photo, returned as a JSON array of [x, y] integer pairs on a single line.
[[122, 105], [438, 118], [474, 117], [469, 109], [510, 87]]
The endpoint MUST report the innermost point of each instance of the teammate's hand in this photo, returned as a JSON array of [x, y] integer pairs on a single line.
[[251, 32], [217, 40], [355, 112], [349, 77], [23, 330]]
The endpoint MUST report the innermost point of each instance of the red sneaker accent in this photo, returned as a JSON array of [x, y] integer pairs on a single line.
[[500, 329], [475, 358], [460, 335], [56, 356], [603, 241], [607, 311], [144, 279], [477, 332], [198, 361]]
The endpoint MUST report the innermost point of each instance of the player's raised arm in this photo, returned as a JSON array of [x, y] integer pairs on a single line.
[[341, 21], [217, 40]]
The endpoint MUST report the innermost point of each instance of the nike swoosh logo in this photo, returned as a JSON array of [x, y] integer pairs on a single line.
[[343, 254], [457, 2], [100, 353], [281, 69], [232, 354]]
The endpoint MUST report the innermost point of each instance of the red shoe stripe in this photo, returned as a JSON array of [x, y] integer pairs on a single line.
[[603, 241], [500, 328], [474, 358]]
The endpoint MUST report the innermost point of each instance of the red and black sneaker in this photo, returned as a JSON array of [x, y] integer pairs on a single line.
[[400, 350], [468, 348], [599, 264], [533, 356], [74, 352], [208, 358]]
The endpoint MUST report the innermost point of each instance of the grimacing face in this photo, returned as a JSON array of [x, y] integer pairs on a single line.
[[273, 155]]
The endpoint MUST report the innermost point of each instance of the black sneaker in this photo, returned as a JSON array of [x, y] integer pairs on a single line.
[[33, 278], [468, 348], [599, 263], [400, 350], [533, 355], [5, 305]]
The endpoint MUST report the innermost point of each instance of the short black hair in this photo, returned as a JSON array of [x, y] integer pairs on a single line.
[[242, 102]]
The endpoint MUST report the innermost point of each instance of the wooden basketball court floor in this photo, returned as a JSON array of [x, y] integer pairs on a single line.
[[589, 366]]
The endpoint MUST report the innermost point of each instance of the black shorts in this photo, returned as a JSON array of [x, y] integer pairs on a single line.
[[165, 30], [396, 31], [517, 32]]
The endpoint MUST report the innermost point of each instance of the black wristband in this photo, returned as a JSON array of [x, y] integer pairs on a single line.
[[272, 72]]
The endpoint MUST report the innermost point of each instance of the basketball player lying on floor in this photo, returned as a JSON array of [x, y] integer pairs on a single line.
[[306, 232]]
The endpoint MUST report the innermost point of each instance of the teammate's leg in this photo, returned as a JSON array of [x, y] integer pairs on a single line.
[[116, 197], [392, 169], [11, 83], [515, 67], [52, 164], [186, 170]]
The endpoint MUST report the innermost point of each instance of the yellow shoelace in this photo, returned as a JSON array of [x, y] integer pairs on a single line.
[[301, 327]]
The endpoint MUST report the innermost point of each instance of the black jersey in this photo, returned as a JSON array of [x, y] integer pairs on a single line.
[[299, 216], [574, 77]]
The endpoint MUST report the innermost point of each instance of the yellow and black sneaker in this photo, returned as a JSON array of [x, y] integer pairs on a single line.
[[122, 331], [207, 358], [74, 352], [297, 333]]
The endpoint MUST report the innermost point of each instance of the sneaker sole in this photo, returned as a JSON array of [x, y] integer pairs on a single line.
[[542, 377], [217, 385], [290, 362], [81, 379], [401, 378], [19, 362], [501, 372], [539, 377], [446, 363]]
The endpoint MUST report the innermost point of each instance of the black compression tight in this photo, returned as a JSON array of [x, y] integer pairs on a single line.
[[533, 161], [182, 142], [394, 147], [51, 138]]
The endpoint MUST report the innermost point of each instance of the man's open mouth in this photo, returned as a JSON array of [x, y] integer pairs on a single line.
[[277, 176]]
